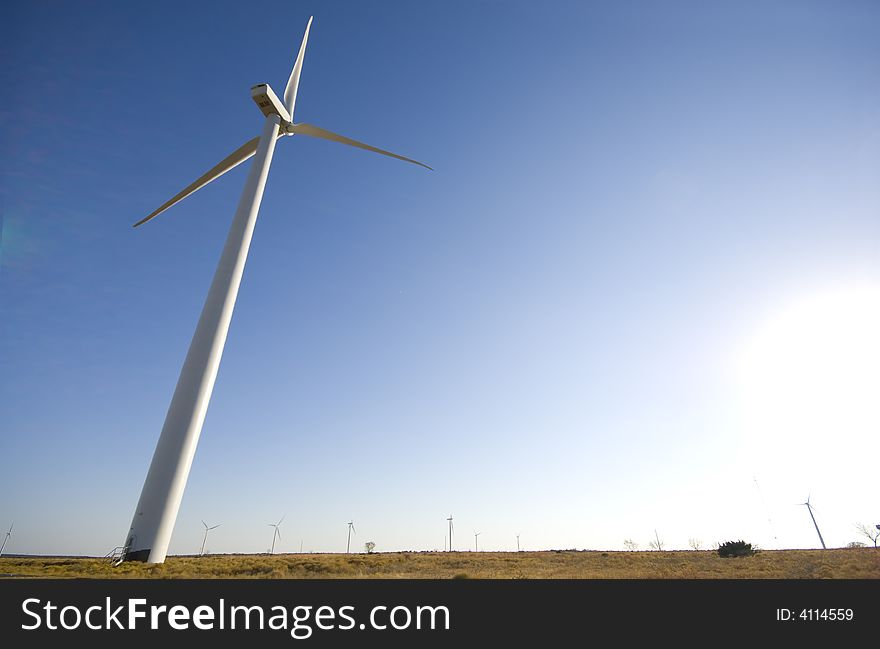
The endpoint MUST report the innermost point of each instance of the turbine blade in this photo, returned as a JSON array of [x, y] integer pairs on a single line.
[[293, 81], [205, 524], [316, 131], [234, 159]]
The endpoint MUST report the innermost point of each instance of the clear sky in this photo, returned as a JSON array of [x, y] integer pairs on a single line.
[[640, 291]]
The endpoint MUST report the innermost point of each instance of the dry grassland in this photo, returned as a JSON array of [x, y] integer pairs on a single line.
[[856, 563]]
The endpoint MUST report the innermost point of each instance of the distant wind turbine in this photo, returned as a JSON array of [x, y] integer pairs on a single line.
[[350, 530], [275, 534], [517, 543], [810, 509], [476, 547], [207, 529], [659, 545], [8, 534], [156, 511], [450, 532], [766, 511]]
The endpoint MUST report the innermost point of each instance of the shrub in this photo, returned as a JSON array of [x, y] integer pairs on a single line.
[[855, 544], [735, 549]]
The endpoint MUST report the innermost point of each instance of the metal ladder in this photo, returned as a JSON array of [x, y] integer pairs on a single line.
[[117, 555]]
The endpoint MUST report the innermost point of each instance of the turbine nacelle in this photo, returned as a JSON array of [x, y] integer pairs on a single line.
[[269, 103]]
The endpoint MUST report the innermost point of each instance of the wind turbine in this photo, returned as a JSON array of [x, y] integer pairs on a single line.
[[207, 529], [450, 532], [657, 538], [275, 534], [476, 547], [8, 534], [517, 543], [810, 509], [156, 511], [350, 529]]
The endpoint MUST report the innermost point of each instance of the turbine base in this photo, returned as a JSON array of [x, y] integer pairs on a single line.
[[137, 555]]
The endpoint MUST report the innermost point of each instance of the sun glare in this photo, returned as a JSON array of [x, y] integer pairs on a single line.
[[811, 378]]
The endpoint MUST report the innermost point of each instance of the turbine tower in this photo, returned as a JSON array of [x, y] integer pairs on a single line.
[[8, 534], [350, 529], [207, 529], [517, 543], [810, 509], [156, 511], [276, 534], [476, 547], [450, 532]]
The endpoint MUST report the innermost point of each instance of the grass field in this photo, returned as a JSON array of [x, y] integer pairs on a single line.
[[857, 563]]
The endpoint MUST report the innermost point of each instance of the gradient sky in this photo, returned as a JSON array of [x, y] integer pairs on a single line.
[[640, 291]]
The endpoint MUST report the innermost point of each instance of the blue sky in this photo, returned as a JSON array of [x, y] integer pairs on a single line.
[[640, 291]]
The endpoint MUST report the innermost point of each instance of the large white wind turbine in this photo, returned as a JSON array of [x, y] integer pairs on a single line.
[[156, 512]]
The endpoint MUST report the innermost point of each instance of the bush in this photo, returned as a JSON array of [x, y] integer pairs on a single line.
[[855, 544], [735, 549]]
